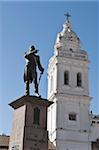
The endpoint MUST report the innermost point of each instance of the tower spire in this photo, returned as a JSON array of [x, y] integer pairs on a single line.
[[67, 16]]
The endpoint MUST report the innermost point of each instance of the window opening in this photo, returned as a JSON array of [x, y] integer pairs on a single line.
[[66, 78], [79, 79], [72, 116], [36, 115]]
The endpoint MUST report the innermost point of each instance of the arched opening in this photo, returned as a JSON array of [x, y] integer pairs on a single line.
[[36, 116], [66, 78], [79, 79]]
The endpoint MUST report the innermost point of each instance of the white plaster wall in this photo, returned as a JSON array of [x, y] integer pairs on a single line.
[[84, 117], [94, 132], [52, 73], [73, 66], [52, 116], [70, 145], [66, 106]]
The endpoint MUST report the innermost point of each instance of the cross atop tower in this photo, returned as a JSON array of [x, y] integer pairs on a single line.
[[67, 16]]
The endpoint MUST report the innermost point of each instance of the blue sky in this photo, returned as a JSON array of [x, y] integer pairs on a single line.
[[25, 23]]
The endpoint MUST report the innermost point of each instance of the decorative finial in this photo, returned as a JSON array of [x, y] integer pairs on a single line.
[[67, 16]]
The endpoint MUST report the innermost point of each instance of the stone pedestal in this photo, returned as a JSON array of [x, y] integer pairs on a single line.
[[29, 129]]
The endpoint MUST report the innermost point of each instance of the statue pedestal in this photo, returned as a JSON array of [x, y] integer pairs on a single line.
[[29, 129]]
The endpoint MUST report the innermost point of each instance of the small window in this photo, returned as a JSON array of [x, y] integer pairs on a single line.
[[93, 122], [66, 78], [71, 49], [72, 117], [79, 79], [36, 115]]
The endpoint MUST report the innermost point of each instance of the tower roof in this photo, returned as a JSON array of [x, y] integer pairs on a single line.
[[67, 39]]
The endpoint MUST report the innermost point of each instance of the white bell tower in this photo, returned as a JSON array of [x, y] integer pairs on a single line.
[[68, 117]]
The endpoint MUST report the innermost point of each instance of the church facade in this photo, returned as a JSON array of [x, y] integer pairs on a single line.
[[71, 126]]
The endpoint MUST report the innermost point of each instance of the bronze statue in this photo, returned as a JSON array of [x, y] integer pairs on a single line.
[[30, 71]]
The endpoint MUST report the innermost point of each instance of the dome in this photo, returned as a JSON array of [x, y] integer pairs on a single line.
[[67, 39]]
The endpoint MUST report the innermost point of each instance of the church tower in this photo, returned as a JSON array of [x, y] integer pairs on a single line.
[[68, 116]]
